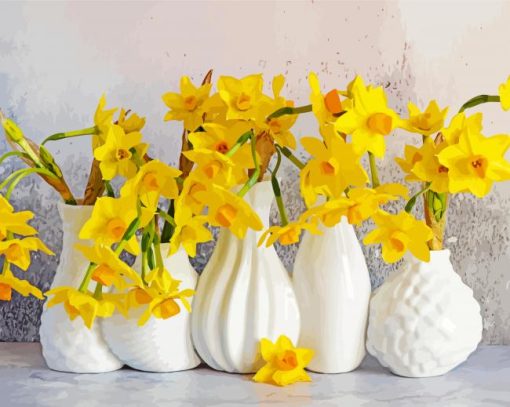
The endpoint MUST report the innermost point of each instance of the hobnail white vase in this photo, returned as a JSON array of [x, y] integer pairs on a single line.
[[69, 346], [424, 321], [161, 345], [333, 289], [244, 294]]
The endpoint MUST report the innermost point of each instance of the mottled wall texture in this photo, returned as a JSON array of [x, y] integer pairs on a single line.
[[56, 59]]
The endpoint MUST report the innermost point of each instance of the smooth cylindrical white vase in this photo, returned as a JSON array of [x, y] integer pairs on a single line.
[[424, 320], [243, 295], [69, 346], [161, 345], [333, 289]]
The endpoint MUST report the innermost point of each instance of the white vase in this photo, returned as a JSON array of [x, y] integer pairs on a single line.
[[69, 346], [161, 345], [244, 294], [333, 289], [424, 320]]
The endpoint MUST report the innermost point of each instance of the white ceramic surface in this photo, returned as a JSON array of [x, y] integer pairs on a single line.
[[424, 320], [161, 345], [333, 289], [244, 294], [69, 346]]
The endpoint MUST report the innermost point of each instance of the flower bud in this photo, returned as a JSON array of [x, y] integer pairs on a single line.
[[12, 131]]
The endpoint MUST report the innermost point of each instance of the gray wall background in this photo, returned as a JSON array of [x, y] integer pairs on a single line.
[[56, 59]]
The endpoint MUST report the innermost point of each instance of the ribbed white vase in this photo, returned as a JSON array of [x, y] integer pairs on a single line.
[[333, 289], [161, 345], [424, 320], [69, 346], [244, 294]]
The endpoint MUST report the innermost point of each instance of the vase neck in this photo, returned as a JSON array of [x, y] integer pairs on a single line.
[[260, 198]]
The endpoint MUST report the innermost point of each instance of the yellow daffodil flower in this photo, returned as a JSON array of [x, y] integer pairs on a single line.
[[193, 192], [398, 234], [426, 123], [115, 155], [461, 123], [369, 120], [152, 180], [285, 364], [14, 222], [160, 296], [333, 167], [133, 123], [110, 219], [81, 304], [189, 230], [412, 155], [109, 269], [228, 210], [504, 94], [9, 282], [476, 162], [242, 96], [288, 234], [17, 251], [326, 108], [221, 138], [103, 120], [429, 169], [188, 106]]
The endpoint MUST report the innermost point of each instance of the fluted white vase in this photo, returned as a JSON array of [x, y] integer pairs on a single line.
[[161, 345], [69, 346], [333, 289], [424, 320], [243, 295]]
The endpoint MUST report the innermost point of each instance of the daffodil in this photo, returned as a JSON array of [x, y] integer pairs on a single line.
[[14, 222], [189, 105], [504, 94], [412, 155], [115, 155], [461, 123], [152, 180], [17, 251], [476, 162], [130, 121], [109, 269], [429, 169], [285, 364], [369, 120], [110, 219], [84, 305], [9, 282], [326, 108], [189, 230], [426, 123], [334, 166], [103, 120], [194, 190], [242, 96], [221, 138], [228, 210], [398, 234], [159, 296], [288, 234]]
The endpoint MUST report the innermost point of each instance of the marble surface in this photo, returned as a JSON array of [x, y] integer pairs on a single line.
[[484, 380]]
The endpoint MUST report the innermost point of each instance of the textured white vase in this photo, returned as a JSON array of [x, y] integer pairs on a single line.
[[333, 289], [69, 346], [244, 294], [161, 345], [424, 320]]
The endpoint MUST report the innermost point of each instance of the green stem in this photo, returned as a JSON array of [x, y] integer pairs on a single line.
[[98, 292], [168, 228], [18, 175], [277, 191], [254, 177], [240, 141], [109, 189], [12, 154], [290, 110], [478, 100], [5, 267], [412, 201], [169, 219], [291, 157], [70, 134], [373, 170]]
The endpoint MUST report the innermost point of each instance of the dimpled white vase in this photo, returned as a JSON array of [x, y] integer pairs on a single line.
[[244, 294], [333, 289], [161, 345], [423, 319], [69, 346]]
